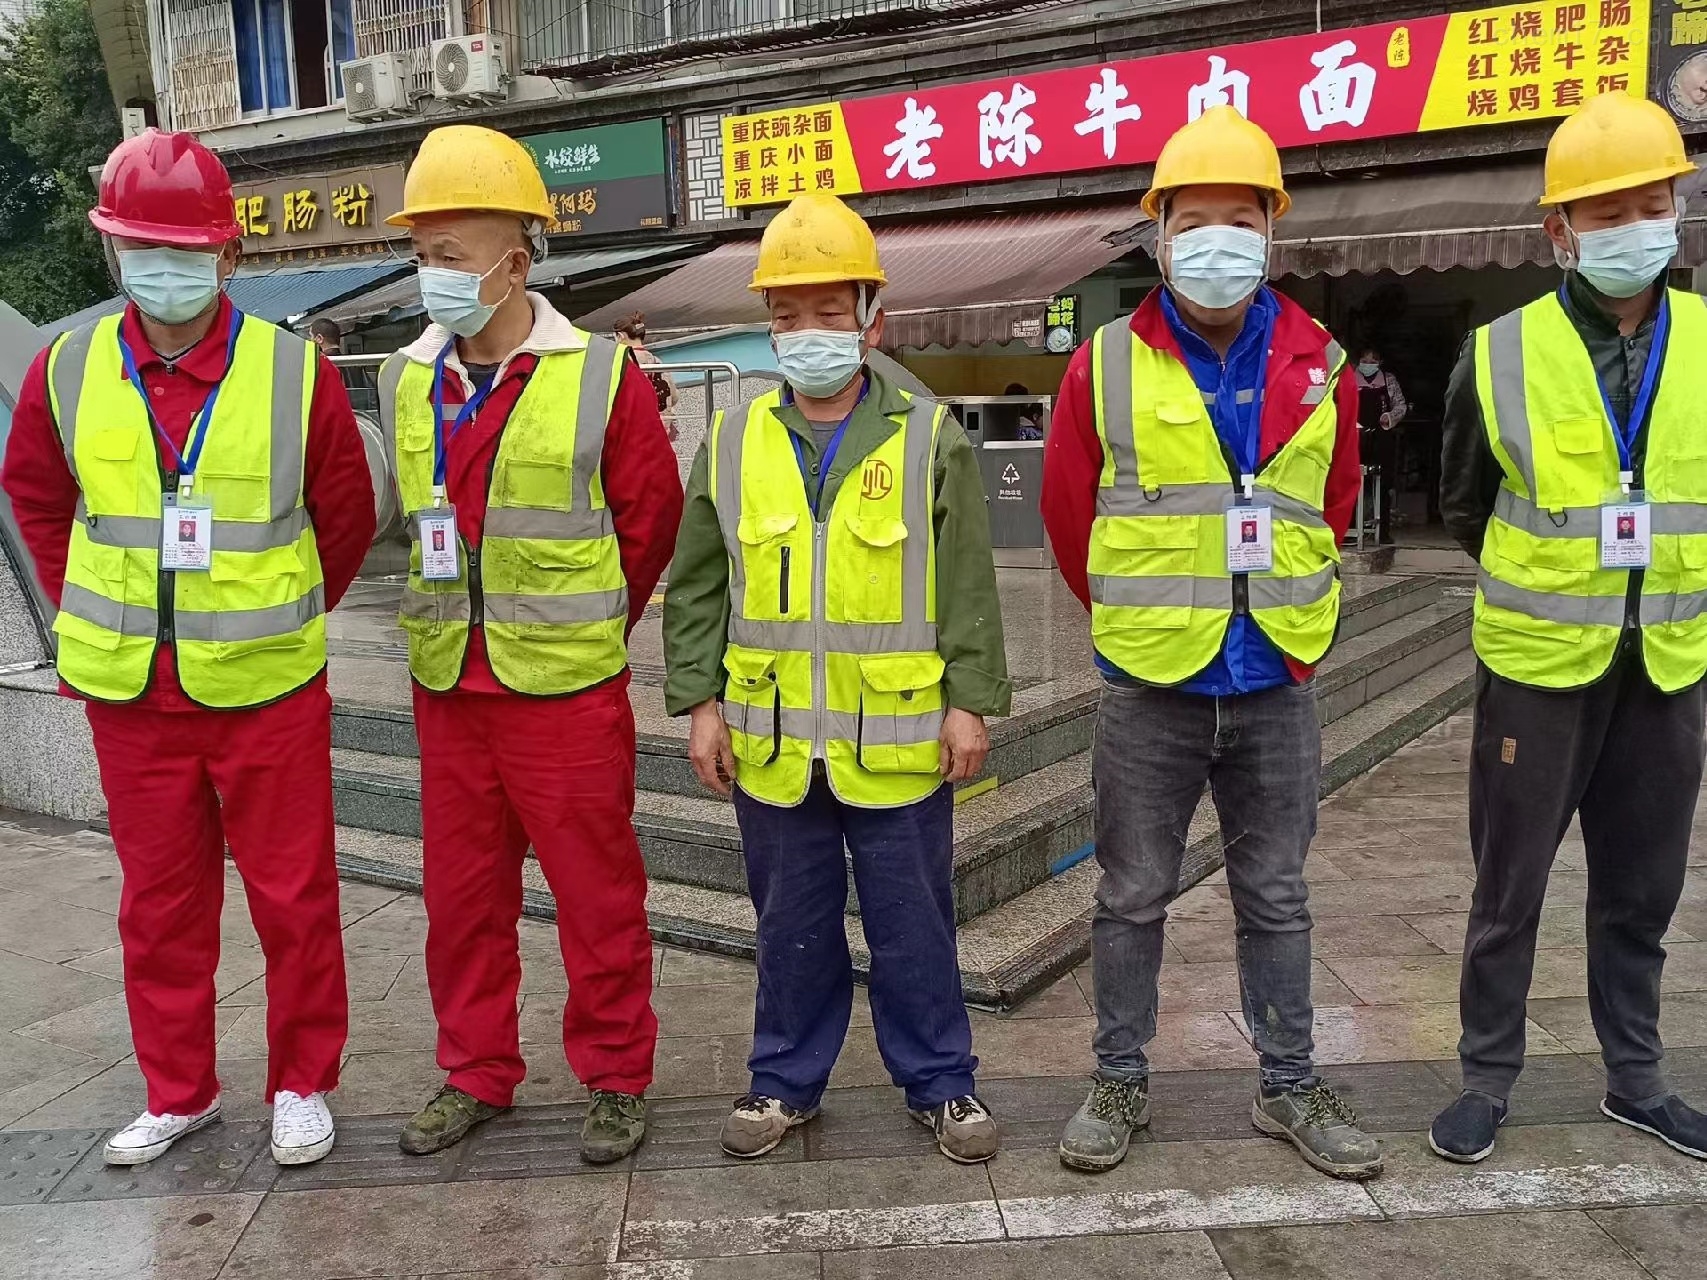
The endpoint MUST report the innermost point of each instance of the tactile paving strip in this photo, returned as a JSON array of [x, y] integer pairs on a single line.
[[210, 1162], [33, 1164], [367, 1155]]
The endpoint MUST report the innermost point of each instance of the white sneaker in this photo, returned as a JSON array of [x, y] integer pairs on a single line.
[[148, 1137], [302, 1128]]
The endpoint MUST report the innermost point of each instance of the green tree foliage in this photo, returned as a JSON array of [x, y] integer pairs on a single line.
[[56, 121]]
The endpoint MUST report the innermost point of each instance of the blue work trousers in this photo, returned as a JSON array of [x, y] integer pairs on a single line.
[[903, 870]]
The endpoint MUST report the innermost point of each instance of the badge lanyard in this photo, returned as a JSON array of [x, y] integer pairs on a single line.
[[442, 438], [1250, 433], [829, 456], [1624, 433], [186, 462]]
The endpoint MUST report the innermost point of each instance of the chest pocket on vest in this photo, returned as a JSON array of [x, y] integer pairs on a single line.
[[234, 494], [865, 571], [1576, 482], [1172, 450], [533, 476], [778, 573]]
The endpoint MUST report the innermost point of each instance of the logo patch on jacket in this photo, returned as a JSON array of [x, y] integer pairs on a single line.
[[1318, 377], [876, 480]]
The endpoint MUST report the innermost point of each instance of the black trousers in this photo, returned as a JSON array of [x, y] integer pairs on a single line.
[[1380, 449], [1628, 758]]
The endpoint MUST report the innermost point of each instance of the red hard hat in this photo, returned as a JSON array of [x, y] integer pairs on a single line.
[[166, 188]]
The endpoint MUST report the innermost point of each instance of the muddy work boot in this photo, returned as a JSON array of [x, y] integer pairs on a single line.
[[965, 1130], [445, 1121], [1316, 1120], [1097, 1136], [758, 1124], [615, 1126]]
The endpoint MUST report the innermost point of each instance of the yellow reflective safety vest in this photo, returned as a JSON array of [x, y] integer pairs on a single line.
[[546, 581], [1161, 594], [832, 650], [1546, 613], [252, 628]]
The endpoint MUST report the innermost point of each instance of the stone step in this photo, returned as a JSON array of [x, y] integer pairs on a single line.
[[1024, 941], [1451, 561], [1051, 721], [1012, 830]]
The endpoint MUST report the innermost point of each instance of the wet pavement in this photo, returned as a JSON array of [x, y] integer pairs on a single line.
[[860, 1193]]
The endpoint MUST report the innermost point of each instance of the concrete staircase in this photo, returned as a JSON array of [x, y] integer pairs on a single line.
[[1023, 829]]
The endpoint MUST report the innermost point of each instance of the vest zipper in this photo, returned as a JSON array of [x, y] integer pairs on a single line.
[[819, 697], [477, 589], [167, 590], [782, 586]]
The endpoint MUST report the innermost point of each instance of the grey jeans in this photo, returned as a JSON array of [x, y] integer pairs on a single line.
[[1260, 754]]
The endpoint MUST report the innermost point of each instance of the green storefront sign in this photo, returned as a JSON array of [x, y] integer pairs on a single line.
[[611, 178]]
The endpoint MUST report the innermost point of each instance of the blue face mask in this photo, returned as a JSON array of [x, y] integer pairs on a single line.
[[1622, 261], [818, 362], [1218, 267], [452, 298], [169, 285]]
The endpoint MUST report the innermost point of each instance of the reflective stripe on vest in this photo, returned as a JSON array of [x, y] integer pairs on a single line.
[[546, 582], [1161, 595], [1546, 613], [832, 629], [252, 628]]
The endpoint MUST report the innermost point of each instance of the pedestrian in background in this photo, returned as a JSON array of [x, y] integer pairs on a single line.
[[192, 486], [1200, 473], [832, 626], [326, 335], [1381, 408], [632, 334], [542, 497], [1573, 470]]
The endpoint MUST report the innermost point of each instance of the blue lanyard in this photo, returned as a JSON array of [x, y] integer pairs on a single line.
[[829, 458], [1624, 433], [824, 463], [186, 463], [441, 438], [1251, 435]]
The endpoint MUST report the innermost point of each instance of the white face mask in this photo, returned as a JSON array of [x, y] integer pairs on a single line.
[[1620, 262], [452, 298], [170, 285], [1217, 267], [819, 362]]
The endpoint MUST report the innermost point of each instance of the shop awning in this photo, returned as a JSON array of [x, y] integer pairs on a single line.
[[401, 298], [281, 294], [1480, 218], [965, 280]]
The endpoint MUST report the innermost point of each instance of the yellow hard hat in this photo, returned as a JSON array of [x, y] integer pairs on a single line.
[[1219, 147], [817, 240], [1612, 143], [463, 168]]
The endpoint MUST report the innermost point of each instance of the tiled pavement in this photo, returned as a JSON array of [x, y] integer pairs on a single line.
[[859, 1193]]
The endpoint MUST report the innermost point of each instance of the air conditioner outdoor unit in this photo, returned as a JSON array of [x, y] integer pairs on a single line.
[[470, 69], [378, 87]]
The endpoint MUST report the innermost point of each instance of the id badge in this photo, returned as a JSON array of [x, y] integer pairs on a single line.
[[439, 556], [1250, 538], [186, 535], [1626, 533]]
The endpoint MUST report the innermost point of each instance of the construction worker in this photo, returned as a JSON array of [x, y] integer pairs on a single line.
[[833, 628], [1200, 473], [1572, 469], [192, 486], [542, 497]]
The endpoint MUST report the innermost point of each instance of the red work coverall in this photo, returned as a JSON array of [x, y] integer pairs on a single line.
[[503, 770], [182, 781]]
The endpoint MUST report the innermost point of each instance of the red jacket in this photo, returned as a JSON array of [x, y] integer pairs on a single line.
[[637, 469], [1073, 456], [337, 489]]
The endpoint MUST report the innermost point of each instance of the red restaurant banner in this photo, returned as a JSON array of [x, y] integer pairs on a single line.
[[1449, 71]]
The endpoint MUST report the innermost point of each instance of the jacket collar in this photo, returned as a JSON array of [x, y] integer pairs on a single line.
[[205, 362], [551, 334]]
